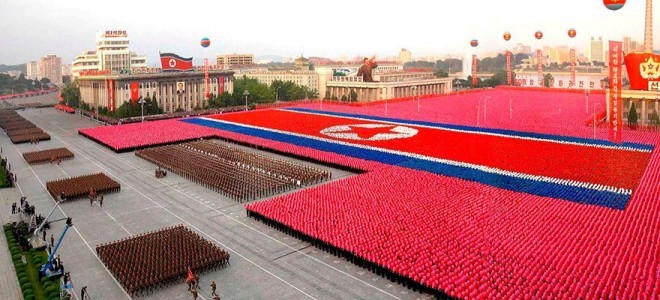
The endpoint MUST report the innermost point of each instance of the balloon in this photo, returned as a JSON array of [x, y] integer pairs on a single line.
[[507, 36], [614, 4], [474, 43], [538, 35], [572, 33], [205, 42]]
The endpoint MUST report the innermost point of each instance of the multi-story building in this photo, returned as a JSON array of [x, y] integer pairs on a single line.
[[520, 48], [559, 54], [172, 90], [66, 70], [626, 44], [227, 61], [390, 86], [404, 56], [596, 50], [32, 70], [112, 53], [50, 67]]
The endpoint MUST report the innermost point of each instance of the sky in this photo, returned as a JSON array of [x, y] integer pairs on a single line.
[[30, 29]]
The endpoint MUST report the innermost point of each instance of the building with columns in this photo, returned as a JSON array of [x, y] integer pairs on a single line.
[[392, 85], [104, 89], [645, 103]]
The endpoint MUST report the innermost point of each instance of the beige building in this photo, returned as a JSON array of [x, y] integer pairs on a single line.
[[404, 56], [173, 90], [559, 54], [644, 101], [112, 53], [32, 70], [50, 67], [596, 50], [390, 86], [227, 61]]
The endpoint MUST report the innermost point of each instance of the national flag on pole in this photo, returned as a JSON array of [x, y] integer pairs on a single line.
[[171, 62]]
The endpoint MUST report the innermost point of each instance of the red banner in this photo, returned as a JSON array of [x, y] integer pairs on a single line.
[[614, 100], [221, 85], [111, 95], [474, 70], [539, 65], [572, 64], [135, 91], [207, 81], [643, 70], [508, 67]]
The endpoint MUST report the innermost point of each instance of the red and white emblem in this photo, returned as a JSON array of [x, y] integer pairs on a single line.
[[172, 63], [369, 132]]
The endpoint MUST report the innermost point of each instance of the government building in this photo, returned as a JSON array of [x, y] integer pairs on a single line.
[[173, 90], [389, 86], [111, 53]]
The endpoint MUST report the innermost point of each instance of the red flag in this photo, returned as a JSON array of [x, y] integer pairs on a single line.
[[614, 102], [172, 62], [474, 70], [572, 56], [539, 65], [135, 91], [508, 67], [221, 85], [643, 70]]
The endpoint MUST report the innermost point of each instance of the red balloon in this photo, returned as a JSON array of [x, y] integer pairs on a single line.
[[572, 33], [538, 35], [507, 36], [614, 4], [474, 43]]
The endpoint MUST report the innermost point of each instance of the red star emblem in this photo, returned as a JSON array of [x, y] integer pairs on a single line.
[[367, 133]]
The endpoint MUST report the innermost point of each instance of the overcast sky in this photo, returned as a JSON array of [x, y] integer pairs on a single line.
[[330, 28]]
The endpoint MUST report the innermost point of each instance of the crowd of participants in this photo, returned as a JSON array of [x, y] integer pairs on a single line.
[[156, 259], [19, 129], [81, 186], [238, 174], [50, 155], [65, 108]]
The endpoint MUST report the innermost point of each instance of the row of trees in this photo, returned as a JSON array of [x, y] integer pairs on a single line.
[[10, 85], [453, 65], [633, 118], [262, 93]]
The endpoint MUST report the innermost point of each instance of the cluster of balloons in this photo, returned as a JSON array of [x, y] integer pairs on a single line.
[[610, 4]]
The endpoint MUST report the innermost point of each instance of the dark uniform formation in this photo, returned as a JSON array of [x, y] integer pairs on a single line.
[[50, 155], [235, 173], [78, 187], [159, 258], [19, 129]]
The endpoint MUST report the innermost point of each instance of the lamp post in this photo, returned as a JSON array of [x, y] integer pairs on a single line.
[[246, 94], [277, 94], [414, 88], [142, 102]]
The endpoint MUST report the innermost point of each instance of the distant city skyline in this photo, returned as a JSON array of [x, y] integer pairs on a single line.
[[289, 28]]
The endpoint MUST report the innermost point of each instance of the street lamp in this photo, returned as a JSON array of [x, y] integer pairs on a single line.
[[246, 94], [142, 102], [414, 88], [277, 94]]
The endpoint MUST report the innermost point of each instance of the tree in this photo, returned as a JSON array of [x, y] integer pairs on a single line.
[[344, 98], [353, 96], [441, 73], [71, 94], [547, 78], [655, 119], [632, 116], [327, 95]]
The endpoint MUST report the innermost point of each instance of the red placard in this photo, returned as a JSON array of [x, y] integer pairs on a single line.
[[135, 91], [111, 95], [572, 64], [508, 67], [539, 65], [474, 70], [615, 105], [643, 70]]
